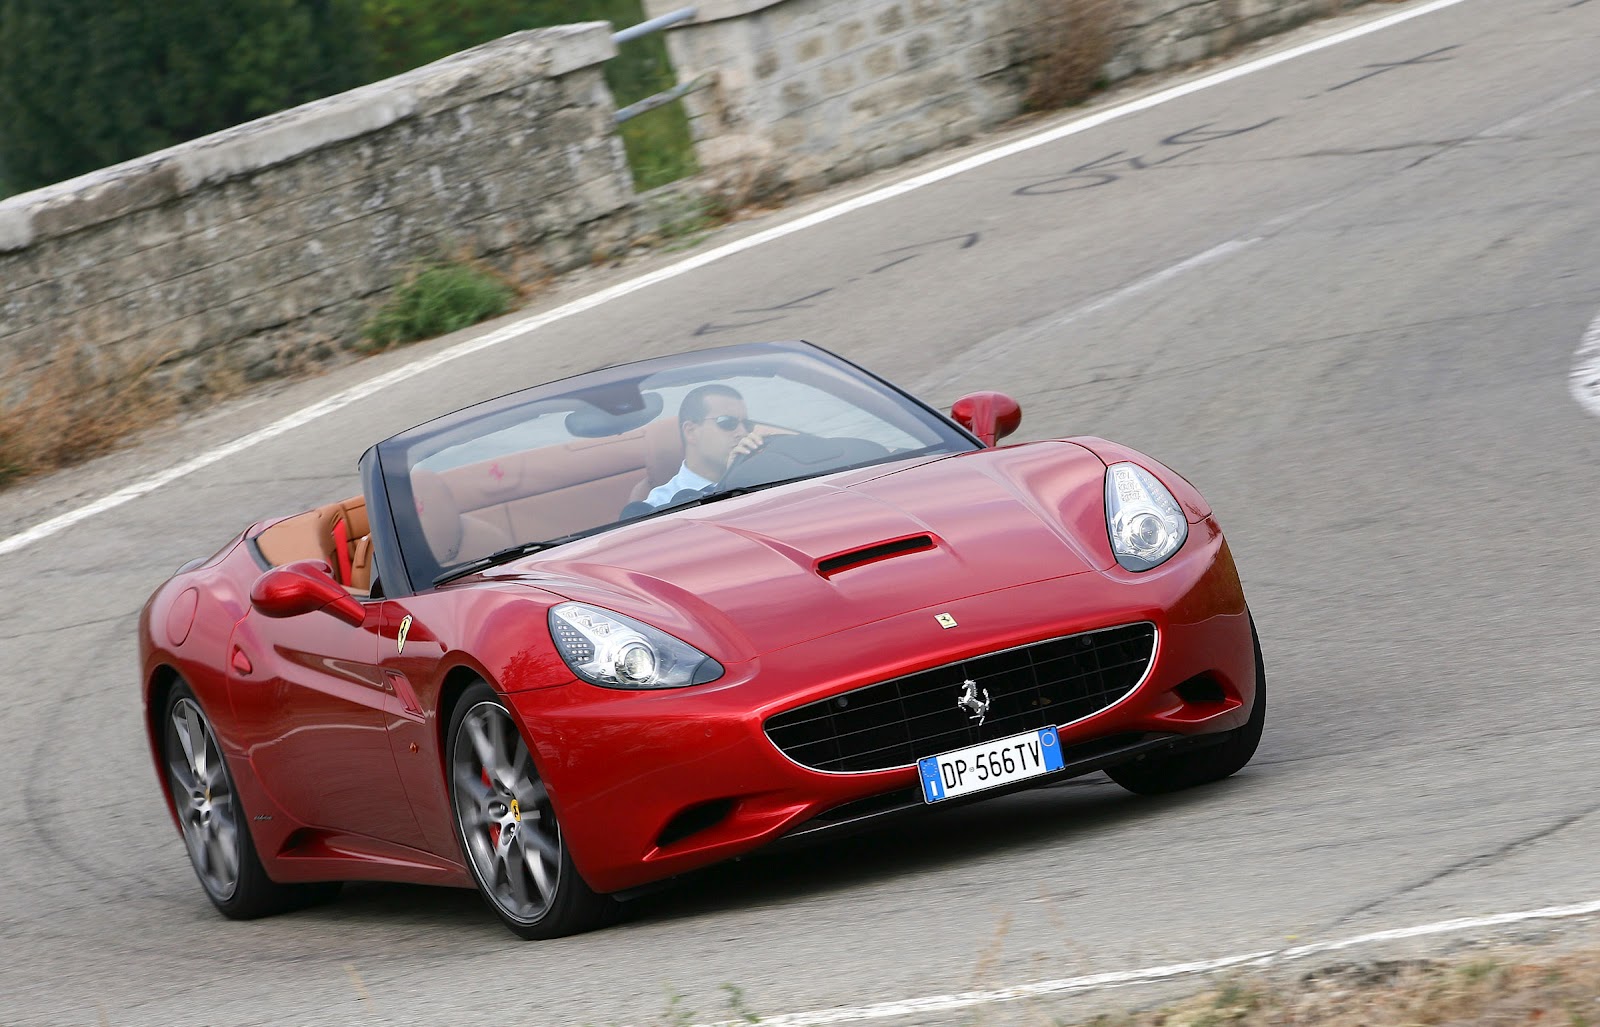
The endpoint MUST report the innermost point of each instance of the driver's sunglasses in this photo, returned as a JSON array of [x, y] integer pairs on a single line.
[[728, 422]]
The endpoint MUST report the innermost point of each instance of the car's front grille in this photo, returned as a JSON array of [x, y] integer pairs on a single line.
[[895, 723]]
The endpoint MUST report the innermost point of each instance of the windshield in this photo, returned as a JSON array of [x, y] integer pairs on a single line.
[[590, 452]]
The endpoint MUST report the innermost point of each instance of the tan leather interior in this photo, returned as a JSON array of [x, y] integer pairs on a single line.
[[663, 439], [539, 494], [471, 511], [312, 535]]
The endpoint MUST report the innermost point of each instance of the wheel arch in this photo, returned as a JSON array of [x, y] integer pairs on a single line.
[[456, 682], [158, 688]]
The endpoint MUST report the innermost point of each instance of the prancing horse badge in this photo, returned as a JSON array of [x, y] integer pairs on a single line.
[[945, 620], [405, 629]]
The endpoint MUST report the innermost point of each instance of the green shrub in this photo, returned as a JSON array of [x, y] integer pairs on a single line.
[[409, 33], [659, 147], [437, 300], [85, 83]]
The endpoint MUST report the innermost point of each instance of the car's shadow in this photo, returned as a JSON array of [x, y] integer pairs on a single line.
[[1063, 816], [1068, 814]]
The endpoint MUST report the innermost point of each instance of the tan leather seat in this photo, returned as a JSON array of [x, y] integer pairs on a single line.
[[337, 533], [663, 455], [439, 514]]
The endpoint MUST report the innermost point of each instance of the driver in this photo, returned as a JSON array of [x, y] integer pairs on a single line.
[[716, 430]]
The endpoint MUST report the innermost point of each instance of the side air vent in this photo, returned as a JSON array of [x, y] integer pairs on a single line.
[[694, 820], [1201, 688], [828, 566]]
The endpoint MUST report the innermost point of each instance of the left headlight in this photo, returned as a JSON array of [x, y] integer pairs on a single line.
[[1145, 522], [605, 648]]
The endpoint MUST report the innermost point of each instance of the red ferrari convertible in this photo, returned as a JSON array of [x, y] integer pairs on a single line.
[[597, 633]]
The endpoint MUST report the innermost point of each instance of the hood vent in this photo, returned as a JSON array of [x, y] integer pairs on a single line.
[[828, 566]]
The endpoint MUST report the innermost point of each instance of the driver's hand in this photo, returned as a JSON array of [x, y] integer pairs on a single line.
[[755, 440]]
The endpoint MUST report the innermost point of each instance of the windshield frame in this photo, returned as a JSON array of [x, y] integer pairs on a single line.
[[405, 562]]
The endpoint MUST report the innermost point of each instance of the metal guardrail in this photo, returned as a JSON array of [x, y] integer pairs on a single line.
[[650, 103], [645, 28]]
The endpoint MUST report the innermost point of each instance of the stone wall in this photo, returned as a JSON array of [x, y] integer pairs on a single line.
[[819, 90], [266, 244], [264, 247], [833, 88], [1158, 34]]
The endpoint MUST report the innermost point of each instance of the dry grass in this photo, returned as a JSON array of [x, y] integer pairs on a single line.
[[1554, 990], [1072, 41], [83, 404]]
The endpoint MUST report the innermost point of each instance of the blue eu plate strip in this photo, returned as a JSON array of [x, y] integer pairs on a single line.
[[1051, 744], [932, 787]]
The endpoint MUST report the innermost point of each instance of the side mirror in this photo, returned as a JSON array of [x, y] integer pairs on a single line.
[[991, 416], [304, 586]]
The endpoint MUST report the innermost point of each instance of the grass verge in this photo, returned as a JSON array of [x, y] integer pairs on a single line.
[[435, 300], [1556, 990]]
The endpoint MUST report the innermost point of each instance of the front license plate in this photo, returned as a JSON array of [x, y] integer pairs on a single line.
[[990, 764]]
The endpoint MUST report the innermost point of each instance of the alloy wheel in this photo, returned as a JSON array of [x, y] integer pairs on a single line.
[[508, 826], [205, 800]]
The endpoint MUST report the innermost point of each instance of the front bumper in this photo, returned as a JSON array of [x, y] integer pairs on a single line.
[[652, 784]]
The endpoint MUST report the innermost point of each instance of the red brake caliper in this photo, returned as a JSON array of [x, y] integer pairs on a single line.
[[494, 829]]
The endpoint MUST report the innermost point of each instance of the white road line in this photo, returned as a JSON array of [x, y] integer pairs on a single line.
[[1123, 978], [366, 389], [1585, 378]]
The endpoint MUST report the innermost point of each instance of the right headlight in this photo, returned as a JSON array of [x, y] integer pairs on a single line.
[[605, 648], [1145, 523]]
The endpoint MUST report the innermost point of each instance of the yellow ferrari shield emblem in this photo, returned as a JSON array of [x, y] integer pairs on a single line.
[[516, 811], [945, 620], [405, 629]]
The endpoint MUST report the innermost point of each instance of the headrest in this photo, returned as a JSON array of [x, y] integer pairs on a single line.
[[355, 516], [439, 514]]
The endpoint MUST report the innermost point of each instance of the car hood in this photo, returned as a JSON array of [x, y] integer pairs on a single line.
[[756, 573]]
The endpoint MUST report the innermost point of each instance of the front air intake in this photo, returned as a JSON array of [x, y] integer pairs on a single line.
[[894, 723]]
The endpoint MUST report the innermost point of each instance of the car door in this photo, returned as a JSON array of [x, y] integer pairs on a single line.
[[409, 654], [311, 702]]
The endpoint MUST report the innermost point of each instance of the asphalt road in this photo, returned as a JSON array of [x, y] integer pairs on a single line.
[[1342, 295]]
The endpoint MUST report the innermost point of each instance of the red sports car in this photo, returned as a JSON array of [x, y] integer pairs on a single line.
[[593, 634]]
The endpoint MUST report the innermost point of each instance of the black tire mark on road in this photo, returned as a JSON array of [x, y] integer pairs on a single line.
[[1482, 859], [1384, 68], [42, 813], [1110, 168], [782, 310]]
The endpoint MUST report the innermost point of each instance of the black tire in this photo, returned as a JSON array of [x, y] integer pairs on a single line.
[[1157, 775], [215, 825], [507, 827]]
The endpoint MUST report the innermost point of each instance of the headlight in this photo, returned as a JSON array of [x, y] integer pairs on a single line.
[[605, 648], [1145, 522]]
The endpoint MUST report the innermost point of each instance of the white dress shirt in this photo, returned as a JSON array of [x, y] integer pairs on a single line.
[[684, 479]]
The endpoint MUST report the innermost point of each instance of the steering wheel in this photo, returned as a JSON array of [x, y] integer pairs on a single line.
[[794, 456]]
